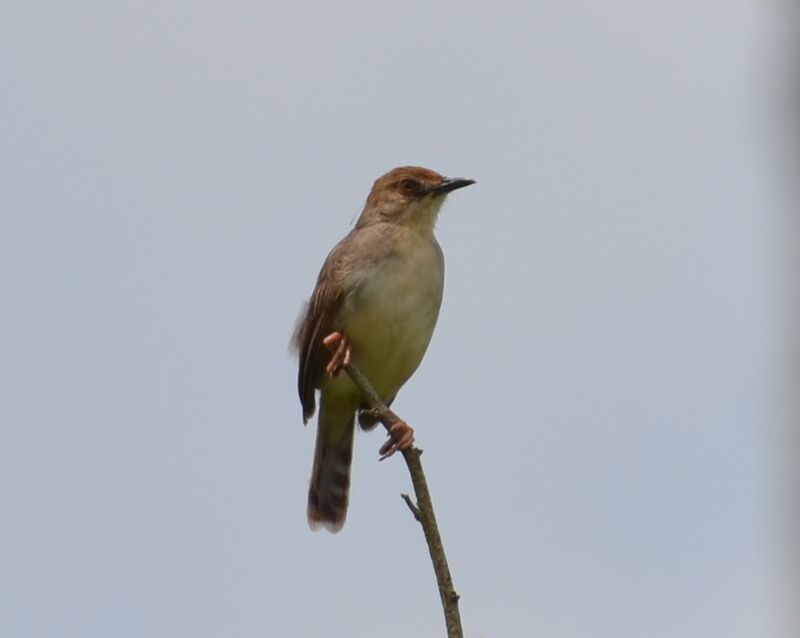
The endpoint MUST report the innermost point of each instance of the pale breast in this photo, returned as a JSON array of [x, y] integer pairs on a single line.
[[390, 320]]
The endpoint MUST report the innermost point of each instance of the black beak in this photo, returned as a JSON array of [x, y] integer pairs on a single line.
[[450, 184]]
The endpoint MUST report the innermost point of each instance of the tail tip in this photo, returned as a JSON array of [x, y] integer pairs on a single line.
[[333, 522]]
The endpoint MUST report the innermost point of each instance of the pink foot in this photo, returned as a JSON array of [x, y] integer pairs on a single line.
[[402, 438], [338, 344]]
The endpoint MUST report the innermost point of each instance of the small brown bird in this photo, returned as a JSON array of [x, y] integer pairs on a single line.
[[376, 303]]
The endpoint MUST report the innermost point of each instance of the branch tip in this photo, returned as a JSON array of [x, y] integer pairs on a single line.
[[414, 509]]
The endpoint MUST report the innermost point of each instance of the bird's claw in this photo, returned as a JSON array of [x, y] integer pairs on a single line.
[[338, 344], [401, 437]]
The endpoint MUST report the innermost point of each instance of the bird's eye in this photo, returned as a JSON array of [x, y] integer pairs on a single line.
[[409, 186]]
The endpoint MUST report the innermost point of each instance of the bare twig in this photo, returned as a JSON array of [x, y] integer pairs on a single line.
[[414, 509], [423, 510]]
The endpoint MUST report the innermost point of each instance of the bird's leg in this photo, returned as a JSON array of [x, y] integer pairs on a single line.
[[401, 438], [338, 344], [401, 434]]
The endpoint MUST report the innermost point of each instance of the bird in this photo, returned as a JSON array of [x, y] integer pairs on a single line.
[[375, 305]]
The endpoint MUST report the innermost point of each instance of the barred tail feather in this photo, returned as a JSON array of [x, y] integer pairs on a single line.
[[330, 477]]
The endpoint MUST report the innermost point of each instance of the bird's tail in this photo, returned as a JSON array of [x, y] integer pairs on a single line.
[[330, 475]]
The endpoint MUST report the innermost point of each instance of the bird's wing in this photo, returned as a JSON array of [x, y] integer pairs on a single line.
[[345, 270], [315, 324]]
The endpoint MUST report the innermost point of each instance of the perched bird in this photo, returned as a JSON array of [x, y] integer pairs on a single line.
[[376, 303]]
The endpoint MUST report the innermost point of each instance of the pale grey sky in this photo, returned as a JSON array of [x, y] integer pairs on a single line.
[[599, 406]]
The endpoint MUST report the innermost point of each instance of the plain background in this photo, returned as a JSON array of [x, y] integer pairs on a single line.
[[601, 407]]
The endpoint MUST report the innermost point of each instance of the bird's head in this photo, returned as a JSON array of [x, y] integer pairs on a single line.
[[409, 195]]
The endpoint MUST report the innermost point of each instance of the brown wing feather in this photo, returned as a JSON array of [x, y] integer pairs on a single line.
[[315, 325], [343, 273]]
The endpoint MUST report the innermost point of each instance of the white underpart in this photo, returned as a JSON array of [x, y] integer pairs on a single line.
[[422, 214]]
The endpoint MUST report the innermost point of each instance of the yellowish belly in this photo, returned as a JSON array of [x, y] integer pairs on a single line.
[[391, 321]]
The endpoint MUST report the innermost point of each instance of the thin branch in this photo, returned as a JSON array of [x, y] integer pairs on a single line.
[[414, 509], [423, 510]]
